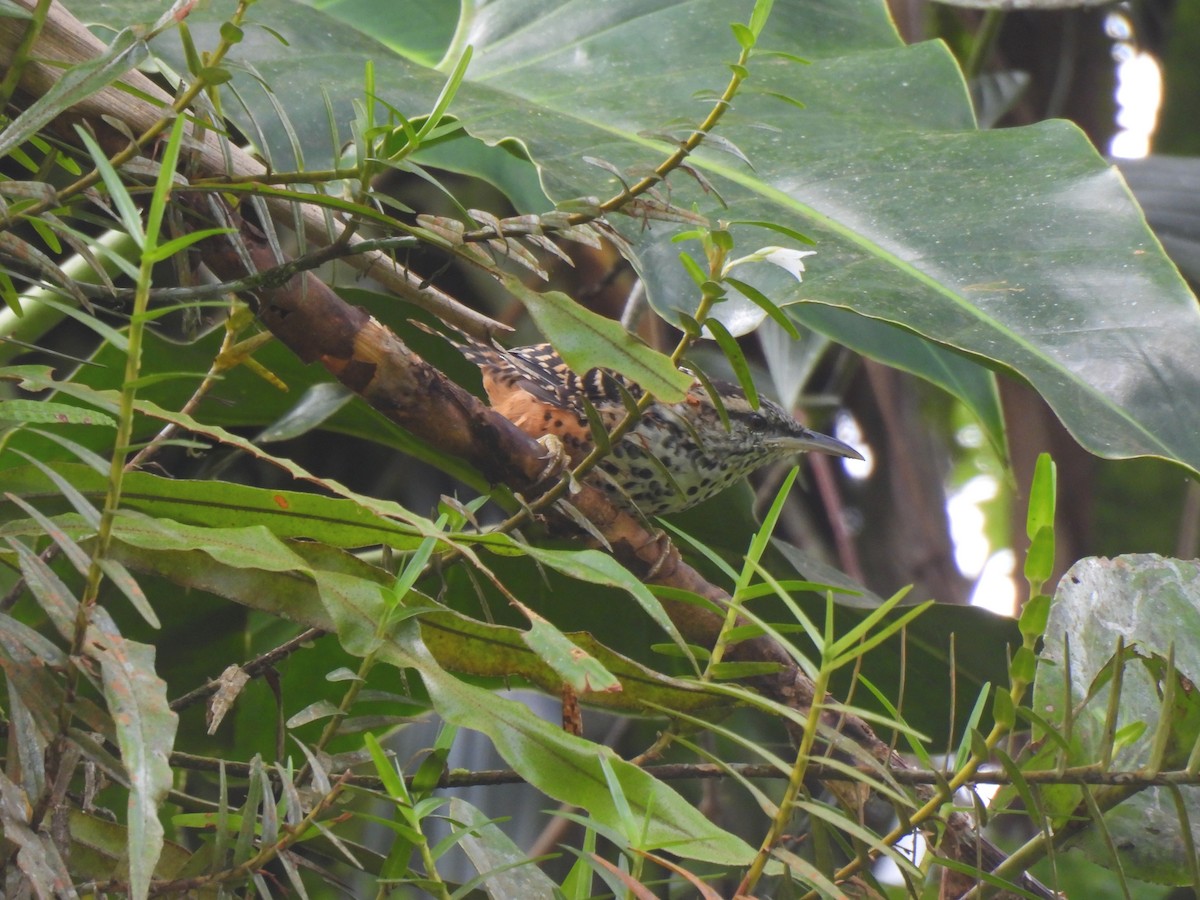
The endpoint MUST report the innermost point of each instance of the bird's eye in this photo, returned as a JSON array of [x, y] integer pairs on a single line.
[[756, 422]]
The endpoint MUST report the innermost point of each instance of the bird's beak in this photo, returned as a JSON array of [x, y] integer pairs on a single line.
[[815, 442]]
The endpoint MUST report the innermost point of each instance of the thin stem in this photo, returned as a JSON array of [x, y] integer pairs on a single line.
[[112, 497], [229, 356], [795, 786]]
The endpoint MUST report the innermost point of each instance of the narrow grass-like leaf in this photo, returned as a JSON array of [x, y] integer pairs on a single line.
[[762, 537], [1043, 491], [127, 210], [915, 740], [759, 15], [181, 243], [13, 247], [288, 514], [162, 186], [627, 884], [693, 269], [505, 870], [70, 548], [386, 770], [629, 823], [863, 628], [244, 847], [449, 89], [1032, 808], [841, 821], [766, 304], [578, 883], [107, 332], [1114, 857], [747, 742], [567, 768], [974, 872], [145, 728], [708, 552], [414, 567], [1185, 833], [970, 726], [54, 597], [809, 874], [82, 505], [128, 585], [736, 358], [875, 639], [778, 228]]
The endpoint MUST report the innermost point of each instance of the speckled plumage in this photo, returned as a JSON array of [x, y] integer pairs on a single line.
[[674, 457]]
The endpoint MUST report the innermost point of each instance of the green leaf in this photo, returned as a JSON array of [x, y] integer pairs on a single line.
[[1039, 558], [763, 302], [743, 35], [317, 586], [972, 280], [568, 769], [732, 671], [39, 377], [600, 568], [288, 514], [505, 869], [1003, 711], [1043, 493], [573, 665], [960, 376], [306, 589], [1148, 602], [1023, 666], [163, 185], [447, 94], [49, 411], [1034, 615], [586, 341], [967, 279], [127, 210], [735, 358]]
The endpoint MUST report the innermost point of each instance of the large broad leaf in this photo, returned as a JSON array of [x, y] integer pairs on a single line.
[[1152, 605], [1019, 248]]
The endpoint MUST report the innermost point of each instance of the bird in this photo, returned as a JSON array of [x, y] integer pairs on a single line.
[[675, 456]]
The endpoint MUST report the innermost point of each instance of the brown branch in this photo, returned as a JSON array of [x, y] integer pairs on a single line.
[[1078, 775]]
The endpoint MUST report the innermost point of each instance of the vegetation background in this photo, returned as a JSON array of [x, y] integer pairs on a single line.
[[980, 294]]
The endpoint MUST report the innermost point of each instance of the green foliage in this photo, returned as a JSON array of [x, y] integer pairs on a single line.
[[166, 515]]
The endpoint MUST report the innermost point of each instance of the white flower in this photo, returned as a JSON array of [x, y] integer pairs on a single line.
[[787, 259]]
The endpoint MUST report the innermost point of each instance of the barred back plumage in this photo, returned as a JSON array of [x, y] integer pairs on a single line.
[[676, 456]]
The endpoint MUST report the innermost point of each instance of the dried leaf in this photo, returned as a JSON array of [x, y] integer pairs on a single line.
[[230, 684], [145, 730]]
